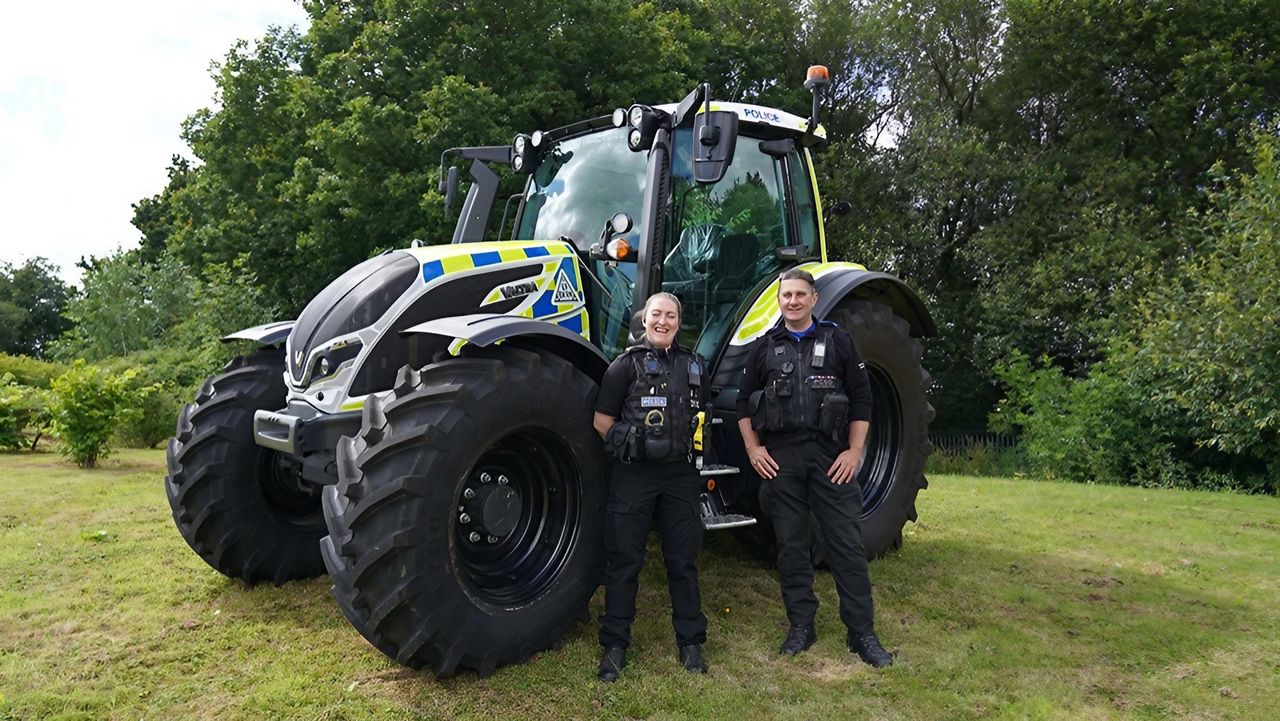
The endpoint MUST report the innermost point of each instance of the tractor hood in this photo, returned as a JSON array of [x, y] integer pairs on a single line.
[[357, 299], [359, 320]]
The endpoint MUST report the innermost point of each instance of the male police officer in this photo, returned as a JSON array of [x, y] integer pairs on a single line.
[[649, 398], [805, 390]]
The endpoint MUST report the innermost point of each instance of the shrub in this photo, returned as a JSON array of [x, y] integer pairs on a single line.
[[23, 409], [11, 421], [88, 402], [28, 371]]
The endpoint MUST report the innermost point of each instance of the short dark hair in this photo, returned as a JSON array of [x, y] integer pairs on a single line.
[[797, 274]]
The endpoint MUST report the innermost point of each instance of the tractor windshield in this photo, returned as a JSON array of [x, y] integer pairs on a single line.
[[720, 240], [725, 234], [579, 185]]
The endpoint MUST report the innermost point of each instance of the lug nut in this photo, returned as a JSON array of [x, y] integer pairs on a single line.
[[485, 478], [493, 539], [468, 493], [465, 519], [475, 537], [502, 480]]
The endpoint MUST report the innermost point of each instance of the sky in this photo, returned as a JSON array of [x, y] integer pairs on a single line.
[[92, 99]]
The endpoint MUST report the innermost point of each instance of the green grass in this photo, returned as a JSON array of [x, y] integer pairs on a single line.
[[1012, 599]]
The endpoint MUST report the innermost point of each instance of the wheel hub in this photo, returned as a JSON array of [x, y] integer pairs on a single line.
[[491, 508]]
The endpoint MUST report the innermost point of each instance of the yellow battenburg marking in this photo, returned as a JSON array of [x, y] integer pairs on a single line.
[[764, 311], [352, 405], [455, 263]]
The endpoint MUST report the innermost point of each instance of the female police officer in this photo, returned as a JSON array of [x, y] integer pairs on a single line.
[[645, 412]]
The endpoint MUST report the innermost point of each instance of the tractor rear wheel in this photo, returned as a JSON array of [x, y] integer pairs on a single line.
[[465, 529], [892, 470], [240, 506]]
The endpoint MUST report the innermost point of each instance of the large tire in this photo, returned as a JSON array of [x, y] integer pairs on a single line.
[[892, 471], [512, 428], [238, 505]]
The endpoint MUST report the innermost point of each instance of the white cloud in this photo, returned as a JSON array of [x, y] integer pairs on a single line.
[[92, 97]]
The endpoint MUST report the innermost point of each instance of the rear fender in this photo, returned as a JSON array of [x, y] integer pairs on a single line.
[[485, 329], [266, 335], [835, 286]]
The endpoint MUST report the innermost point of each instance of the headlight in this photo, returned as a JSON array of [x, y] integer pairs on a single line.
[[536, 138], [634, 139], [636, 116], [520, 144], [518, 163], [619, 117]]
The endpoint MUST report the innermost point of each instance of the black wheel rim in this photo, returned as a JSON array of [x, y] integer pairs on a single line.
[[884, 441], [515, 518], [280, 481]]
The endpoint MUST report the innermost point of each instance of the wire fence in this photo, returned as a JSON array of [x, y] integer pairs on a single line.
[[957, 442]]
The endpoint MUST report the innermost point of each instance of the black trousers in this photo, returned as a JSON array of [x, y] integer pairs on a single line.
[[639, 494], [802, 485]]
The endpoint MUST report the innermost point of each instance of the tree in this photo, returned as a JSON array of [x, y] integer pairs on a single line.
[[32, 301]]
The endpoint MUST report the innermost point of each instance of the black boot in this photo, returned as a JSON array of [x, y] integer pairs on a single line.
[[691, 658], [799, 638], [612, 660], [868, 648]]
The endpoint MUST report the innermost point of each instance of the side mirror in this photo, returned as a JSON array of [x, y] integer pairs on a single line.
[[715, 135], [450, 190], [612, 245]]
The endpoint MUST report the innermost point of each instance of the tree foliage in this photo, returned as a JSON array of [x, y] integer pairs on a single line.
[[32, 301], [1039, 172]]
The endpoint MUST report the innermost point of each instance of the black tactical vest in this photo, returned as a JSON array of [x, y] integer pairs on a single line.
[[803, 394], [663, 401]]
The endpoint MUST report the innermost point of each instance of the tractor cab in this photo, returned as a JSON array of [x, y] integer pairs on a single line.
[[709, 201]]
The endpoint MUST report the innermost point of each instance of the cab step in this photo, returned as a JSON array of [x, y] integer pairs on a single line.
[[727, 520]]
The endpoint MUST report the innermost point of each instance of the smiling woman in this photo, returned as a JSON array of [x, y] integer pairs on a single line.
[[149, 62]]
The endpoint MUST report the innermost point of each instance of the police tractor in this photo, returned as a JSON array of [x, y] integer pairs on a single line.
[[422, 432]]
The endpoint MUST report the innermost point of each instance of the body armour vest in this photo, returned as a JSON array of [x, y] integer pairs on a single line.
[[663, 401], [803, 394]]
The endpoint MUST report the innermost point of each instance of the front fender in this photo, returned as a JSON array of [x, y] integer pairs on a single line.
[[483, 329], [267, 335]]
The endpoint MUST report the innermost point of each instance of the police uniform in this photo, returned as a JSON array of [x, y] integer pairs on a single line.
[[655, 394], [801, 394]]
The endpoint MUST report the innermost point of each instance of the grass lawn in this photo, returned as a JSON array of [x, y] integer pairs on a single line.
[[1011, 599]]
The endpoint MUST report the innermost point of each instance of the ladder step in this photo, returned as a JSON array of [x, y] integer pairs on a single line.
[[727, 520], [717, 469]]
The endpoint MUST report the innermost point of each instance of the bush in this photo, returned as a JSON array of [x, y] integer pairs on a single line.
[[23, 409], [11, 422], [1092, 429], [88, 403], [152, 419], [28, 371]]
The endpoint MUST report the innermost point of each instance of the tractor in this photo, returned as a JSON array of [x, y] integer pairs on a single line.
[[422, 432]]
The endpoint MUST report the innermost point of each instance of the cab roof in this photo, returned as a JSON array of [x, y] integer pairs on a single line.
[[760, 115]]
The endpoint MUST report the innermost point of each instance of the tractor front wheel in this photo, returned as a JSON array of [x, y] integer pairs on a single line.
[[465, 529], [240, 506]]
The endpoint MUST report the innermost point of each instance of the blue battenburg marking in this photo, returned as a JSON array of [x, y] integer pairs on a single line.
[[432, 270], [488, 258], [571, 270], [544, 307], [574, 323], [536, 252]]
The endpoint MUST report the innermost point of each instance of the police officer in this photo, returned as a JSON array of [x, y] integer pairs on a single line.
[[804, 408], [648, 401]]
